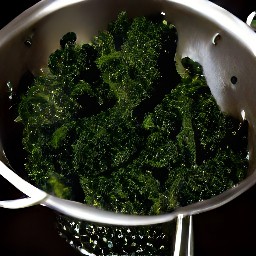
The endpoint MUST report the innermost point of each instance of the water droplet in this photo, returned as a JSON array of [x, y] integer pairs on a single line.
[[10, 89], [110, 244]]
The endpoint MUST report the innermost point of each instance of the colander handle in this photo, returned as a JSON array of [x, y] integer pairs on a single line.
[[22, 202], [35, 195]]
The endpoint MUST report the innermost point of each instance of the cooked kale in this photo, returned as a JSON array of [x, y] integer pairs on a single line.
[[114, 118]]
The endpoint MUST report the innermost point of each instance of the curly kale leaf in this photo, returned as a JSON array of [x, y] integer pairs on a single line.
[[114, 122]]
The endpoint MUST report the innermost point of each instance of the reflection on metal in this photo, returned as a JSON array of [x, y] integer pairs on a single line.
[[184, 236], [251, 20], [28, 42], [190, 237], [178, 235], [21, 203], [216, 38], [243, 114]]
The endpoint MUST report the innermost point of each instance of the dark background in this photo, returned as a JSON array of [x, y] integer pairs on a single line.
[[226, 231]]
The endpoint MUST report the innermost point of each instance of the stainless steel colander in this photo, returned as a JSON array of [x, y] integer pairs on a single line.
[[223, 44]]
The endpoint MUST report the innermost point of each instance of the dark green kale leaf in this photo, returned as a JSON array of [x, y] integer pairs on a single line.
[[114, 119]]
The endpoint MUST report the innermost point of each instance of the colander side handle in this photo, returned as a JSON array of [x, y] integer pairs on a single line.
[[35, 195]]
